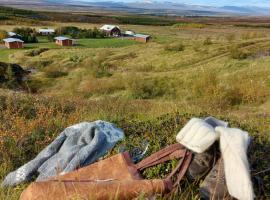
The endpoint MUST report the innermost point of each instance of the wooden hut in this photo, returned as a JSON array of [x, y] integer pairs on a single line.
[[141, 38], [13, 43], [64, 41], [111, 30]]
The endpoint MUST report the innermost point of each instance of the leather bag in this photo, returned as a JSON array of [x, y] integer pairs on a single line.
[[116, 177]]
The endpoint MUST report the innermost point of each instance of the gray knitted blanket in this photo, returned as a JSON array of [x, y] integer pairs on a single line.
[[77, 146]]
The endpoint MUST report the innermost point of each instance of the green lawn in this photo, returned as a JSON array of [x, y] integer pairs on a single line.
[[105, 43], [4, 54], [81, 43]]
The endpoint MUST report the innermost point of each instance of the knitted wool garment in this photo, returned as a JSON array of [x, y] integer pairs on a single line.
[[77, 146]]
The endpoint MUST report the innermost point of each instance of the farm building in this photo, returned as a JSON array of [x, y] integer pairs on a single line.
[[141, 38], [63, 41], [46, 31], [111, 30], [13, 43]]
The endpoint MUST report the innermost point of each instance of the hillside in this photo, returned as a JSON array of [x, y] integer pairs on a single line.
[[192, 67]]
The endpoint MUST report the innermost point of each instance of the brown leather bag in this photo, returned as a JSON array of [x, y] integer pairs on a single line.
[[116, 177]]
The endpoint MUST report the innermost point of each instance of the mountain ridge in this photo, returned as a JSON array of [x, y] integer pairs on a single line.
[[145, 7]]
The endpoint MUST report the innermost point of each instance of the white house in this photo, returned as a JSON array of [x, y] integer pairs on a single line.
[[46, 31], [111, 30]]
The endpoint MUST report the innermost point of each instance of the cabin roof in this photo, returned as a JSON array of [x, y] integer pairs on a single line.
[[141, 35], [43, 30], [108, 27], [12, 40], [62, 38]]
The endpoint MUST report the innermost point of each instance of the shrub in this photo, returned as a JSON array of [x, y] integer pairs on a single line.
[[76, 32], [211, 93], [250, 91], [217, 94], [230, 37], [149, 88], [174, 47], [101, 71], [55, 73], [3, 34], [99, 66], [51, 37], [75, 59], [252, 35], [3, 17], [189, 25], [29, 35], [207, 41], [237, 53], [36, 52]]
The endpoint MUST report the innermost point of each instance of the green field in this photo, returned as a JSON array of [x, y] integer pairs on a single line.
[[80, 43], [105, 43], [150, 90]]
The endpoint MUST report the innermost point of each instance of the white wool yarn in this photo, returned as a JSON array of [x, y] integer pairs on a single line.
[[233, 144]]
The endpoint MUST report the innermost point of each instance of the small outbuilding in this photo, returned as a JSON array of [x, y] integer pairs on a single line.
[[13, 43], [111, 30], [46, 31], [141, 38], [64, 41]]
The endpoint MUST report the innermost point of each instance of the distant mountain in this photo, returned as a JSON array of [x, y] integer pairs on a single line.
[[140, 7]]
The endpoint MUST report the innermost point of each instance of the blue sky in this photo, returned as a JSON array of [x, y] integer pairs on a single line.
[[261, 3]]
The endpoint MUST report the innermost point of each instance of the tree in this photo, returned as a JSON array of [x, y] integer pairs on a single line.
[[3, 34]]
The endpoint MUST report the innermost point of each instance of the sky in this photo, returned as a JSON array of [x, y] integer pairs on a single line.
[[261, 3]]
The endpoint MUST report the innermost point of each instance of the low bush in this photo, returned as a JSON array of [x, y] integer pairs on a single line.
[[36, 52], [230, 37], [149, 88], [28, 35], [55, 73], [252, 35], [3, 34], [75, 59], [237, 53], [101, 71], [210, 93], [189, 25], [76, 32], [250, 91], [207, 41], [174, 47], [215, 93], [99, 65]]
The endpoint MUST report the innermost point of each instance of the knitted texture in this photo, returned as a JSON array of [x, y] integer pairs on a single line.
[[77, 146], [233, 144], [199, 134]]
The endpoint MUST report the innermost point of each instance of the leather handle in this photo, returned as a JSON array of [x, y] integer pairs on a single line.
[[174, 151]]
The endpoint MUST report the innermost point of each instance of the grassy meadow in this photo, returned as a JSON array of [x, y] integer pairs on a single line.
[[150, 90]]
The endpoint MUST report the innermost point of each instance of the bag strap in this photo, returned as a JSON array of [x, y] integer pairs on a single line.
[[171, 152], [182, 167]]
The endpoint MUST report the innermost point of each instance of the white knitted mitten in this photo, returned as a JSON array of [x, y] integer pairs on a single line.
[[198, 134]]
